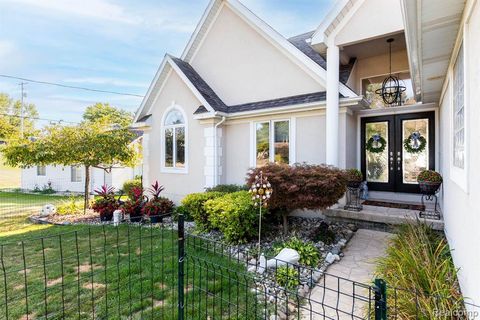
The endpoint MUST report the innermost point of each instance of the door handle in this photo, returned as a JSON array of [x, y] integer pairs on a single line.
[[399, 162]]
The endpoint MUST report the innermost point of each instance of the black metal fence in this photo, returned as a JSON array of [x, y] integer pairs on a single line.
[[159, 271]]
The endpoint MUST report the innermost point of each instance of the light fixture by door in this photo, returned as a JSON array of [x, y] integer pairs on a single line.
[[391, 90]]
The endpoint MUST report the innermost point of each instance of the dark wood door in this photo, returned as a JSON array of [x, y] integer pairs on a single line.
[[396, 167]]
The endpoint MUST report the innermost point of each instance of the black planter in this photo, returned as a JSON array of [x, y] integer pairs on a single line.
[[135, 218], [155, 219], [354, 184], [429, 188], [106, 217]]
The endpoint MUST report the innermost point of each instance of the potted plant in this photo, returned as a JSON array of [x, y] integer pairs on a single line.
[[157, 206], [354, 178], [134, 205], [106, 203], [429, 181]]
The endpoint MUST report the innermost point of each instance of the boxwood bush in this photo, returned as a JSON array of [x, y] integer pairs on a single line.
[[227, 188], [194, 205], [234, 215]]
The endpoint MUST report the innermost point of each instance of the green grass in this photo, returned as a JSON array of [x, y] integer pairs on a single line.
[[9, 177], [15, 207], [107, 272]]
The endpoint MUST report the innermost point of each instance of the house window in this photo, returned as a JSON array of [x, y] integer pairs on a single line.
[[174, 141], [272, 142], [41, 171], [75, 174], [458, 112]]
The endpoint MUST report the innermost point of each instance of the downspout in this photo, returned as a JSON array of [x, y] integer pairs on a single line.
[[215, 151]]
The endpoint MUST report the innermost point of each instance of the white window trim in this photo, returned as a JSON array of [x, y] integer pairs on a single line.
[[41, 175], [253, 139], [163, 168], [459, 175]]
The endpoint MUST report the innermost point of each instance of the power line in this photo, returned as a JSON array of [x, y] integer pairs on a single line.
[[35, 118], [71, 87]]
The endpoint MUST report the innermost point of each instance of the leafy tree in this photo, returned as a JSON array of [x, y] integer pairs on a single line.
[[93, 143], [10, 112], [104, 112]]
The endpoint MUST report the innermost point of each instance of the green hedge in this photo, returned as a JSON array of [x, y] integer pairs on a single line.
[[234, 215], [227, 188], [194, 204], [129, 185]]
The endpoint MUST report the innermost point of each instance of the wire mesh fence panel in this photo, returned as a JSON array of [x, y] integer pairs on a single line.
[[245, 290], [91, 272]]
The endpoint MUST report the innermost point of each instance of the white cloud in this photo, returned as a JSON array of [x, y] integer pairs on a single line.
[[96, 9]]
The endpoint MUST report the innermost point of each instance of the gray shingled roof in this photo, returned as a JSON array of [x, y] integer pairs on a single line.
[[210, 96], [300, 42], [274, 103], [302, 45]]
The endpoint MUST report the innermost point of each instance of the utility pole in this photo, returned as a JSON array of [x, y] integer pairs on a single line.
[[22, 109]]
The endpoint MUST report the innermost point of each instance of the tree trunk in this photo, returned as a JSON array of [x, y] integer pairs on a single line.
[[285, 222], [87, 189]]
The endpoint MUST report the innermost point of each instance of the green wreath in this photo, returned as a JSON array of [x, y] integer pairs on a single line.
[[379, 141], [416, 136]]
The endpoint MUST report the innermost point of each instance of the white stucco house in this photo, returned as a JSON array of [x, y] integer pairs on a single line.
[[241, 95], [72, 178]]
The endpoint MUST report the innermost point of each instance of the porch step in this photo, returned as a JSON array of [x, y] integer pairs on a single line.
[[379, 216], [412, 198]]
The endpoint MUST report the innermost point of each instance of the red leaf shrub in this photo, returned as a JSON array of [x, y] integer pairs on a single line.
[[301, 186]]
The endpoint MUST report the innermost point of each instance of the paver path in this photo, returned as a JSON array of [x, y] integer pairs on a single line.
[[340, 294]]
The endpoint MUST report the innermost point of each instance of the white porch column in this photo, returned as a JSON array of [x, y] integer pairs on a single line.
[[333, 66]]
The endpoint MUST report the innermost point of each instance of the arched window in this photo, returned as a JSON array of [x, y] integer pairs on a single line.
[[174, 140]]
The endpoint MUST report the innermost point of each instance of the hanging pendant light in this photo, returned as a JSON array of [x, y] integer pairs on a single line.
[[391, 90]]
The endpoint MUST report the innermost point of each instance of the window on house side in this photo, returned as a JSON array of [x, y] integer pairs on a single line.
[[174, 140], [41, 171], [272, 142], [458, 112], [75, 174]]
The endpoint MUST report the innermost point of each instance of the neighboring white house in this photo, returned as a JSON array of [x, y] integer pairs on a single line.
[[241, 95], [72, 178]]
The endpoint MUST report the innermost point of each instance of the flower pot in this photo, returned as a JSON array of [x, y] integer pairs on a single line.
[[354, 184], [135, 218], [429, 188], [106, 217], [155, 219]]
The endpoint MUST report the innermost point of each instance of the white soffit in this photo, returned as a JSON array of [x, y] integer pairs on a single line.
[[431, 31]]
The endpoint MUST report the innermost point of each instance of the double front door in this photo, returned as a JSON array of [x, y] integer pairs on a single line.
[[396, 148]]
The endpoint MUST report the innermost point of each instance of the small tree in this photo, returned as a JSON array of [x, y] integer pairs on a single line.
[[302, 186], [95, 143]]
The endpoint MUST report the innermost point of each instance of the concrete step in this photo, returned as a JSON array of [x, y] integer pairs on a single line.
[[379, 215]]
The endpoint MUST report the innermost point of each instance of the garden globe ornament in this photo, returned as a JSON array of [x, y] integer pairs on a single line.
[[261, 191]]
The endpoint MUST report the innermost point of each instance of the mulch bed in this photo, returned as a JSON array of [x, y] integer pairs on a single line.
[[396, 205], [88, 218]]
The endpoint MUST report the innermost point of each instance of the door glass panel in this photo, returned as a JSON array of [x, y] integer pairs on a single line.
[[377, 162], [414, 162]]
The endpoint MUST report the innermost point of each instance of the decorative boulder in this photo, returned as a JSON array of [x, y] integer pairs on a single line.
[[286, 256], [48, 209]]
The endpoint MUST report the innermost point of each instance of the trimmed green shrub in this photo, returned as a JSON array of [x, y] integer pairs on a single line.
[[309, 255], [419, 260], [129, 185], [234, 215], [181, 210], [287, 277], [227, 188], [74, 205], [194, 204]]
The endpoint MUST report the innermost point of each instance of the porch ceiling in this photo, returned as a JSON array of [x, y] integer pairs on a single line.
[[431, 28]]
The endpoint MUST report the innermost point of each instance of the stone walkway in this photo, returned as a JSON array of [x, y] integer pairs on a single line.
[[344, 291]]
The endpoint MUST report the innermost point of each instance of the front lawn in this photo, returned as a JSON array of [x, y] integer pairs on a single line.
[[15, 207]]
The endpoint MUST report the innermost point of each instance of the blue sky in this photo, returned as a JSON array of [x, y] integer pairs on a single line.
[[113, 45]]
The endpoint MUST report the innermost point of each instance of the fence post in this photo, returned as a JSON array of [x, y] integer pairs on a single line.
[[380, 299], [181, 274]]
